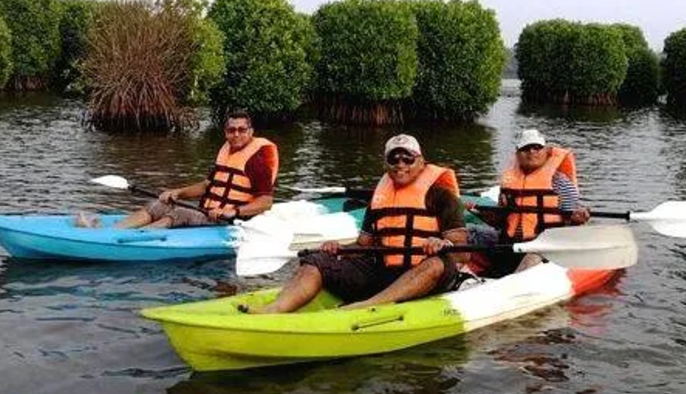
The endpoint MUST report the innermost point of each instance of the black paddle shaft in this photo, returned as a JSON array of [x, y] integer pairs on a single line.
[[555, 211], [413, 250]]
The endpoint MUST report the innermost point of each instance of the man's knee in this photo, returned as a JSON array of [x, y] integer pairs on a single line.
[[309, 271], [433, 267]]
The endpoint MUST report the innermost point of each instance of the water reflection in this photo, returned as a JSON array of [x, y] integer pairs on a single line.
[[430, 368], [544, 354], [569, 112]]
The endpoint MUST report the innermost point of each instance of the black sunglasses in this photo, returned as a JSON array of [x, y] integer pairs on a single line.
[[397, 158], [532, 147], [240, 130]]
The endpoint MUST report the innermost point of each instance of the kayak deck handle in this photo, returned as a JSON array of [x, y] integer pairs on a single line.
[[377, 321], [141, 238]]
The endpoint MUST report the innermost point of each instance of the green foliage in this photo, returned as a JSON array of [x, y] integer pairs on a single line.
[[77, 17], [541, 55], [266, 47], [674, 68], [368, 50], [571, 62], [461, 60], [643, 74], [35, 39], [599, 61], [632, 36], [207, 62], [642, 82], [5, 53], [313, 51]]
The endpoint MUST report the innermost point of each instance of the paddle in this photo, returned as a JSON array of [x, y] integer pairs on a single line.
[[668, 218], [589, 247], [118, 182], [358, 193]]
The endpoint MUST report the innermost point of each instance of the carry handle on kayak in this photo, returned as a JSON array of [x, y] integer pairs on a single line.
[[377, 321]]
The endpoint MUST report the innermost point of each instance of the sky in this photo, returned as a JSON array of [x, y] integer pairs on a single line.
[[657, 18]]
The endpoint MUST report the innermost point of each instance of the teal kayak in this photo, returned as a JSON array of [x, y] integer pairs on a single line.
[[56, 238]]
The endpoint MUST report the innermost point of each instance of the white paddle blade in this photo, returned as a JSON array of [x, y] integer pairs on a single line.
[[313, 231], [112, 181], [589, 247], [265, 245], [668, 218], [261, 255], [295, 211], [319, 190], [493, 193]]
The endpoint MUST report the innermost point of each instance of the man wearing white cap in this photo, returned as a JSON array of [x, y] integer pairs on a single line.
[[414, 204], [542, 191]]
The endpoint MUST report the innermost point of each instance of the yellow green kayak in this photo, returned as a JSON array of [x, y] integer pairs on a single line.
[[215, 335]]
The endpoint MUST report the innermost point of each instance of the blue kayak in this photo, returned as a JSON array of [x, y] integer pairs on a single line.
[[56, 238]]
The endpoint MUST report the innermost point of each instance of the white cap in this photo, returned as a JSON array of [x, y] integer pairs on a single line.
[[529, 137], [403, 141]]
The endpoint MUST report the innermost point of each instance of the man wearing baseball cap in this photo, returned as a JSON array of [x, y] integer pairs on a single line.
[[414, 204], [542, 178]]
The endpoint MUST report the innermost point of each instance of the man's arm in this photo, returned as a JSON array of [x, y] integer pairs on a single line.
[[194, 191], [257, 206], [191, 192], [569, 199], [450, 213]]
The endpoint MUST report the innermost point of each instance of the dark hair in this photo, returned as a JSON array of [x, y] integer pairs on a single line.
[[237, 114]]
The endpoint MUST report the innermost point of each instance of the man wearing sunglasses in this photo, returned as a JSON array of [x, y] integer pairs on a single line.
[[541, 188], [240, 184], [414, 204]]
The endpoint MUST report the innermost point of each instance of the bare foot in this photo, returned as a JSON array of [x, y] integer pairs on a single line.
[[83, 220], [256, 310]]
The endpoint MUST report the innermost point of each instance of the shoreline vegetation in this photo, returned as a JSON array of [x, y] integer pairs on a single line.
[[149, 64]]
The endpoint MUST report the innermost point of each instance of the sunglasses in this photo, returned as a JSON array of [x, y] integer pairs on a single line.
[[394, 160], [241, 130], [533, 147]]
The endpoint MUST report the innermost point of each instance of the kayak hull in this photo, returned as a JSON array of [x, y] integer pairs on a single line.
[[56, 238], [214, 335]]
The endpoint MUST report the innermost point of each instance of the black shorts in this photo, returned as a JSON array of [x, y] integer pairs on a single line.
[[358, 277]]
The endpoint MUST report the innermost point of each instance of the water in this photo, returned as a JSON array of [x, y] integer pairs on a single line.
[[72, 327]]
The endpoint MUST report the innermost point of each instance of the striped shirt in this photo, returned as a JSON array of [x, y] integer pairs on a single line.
[[569, 194]]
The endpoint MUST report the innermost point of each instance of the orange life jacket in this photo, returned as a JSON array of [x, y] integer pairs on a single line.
[[229, 184], [401, 218], [536, 190]]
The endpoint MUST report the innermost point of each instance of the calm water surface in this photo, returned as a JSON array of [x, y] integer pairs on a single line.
[[73, 328]]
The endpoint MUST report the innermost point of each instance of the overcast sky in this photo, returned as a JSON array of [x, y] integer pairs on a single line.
[[657, 18]]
